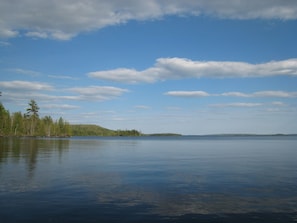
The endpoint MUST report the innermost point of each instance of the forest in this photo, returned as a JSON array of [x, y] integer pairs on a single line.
[[31, 124]]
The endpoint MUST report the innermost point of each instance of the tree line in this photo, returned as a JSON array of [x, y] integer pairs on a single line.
[[30, 124]]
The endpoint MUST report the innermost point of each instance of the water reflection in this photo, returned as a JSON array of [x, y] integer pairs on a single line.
[[135, 180], [30, 151], [174, 198]]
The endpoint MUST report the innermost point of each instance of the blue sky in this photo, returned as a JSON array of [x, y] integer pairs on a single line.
[[190, 67]]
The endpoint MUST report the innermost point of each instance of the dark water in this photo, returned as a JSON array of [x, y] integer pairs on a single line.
[[184, 179]]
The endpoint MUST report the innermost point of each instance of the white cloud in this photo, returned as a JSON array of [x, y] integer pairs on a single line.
[[4, 43], [238, 104], [63, 19], [280, 94], [7, 33], [62, 77], [275, 94], [25, 72], [43, 92], [97, 93], [22, 96], [41, 35], [258, 94], [60, 106], [252, 9], [262, 107], [144, 107], [278, 103], [187, 93], [235, 94], [179, 68], [24, 86], [124, 75]]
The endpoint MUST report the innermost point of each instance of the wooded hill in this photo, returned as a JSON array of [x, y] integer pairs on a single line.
[[95, 130]]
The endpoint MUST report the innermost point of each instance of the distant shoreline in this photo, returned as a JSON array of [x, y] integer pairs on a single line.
[[239, 134], [158, 135]]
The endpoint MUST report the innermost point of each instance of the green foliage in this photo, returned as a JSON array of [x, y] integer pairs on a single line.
[[32, 116], [95, 130], [91, 130], [32, 111], [132, 132], [30, 124], [17, 124], [164, 134], [5, 120]]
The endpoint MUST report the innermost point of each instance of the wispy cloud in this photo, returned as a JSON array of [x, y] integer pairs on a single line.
[[278, 103], [25, 72], [275, 106], [279, 94], [187, 93], [25, 86], [237, 104], [57, 20], [4, 43], [258, 94], [236, 94], [22, 97], [8, 32], [261, 94], [60, 106], [34, 73], [130, 76], [97, 93], [180, 68], [144, 107], [62, 77], [25, 90], [35, 34]]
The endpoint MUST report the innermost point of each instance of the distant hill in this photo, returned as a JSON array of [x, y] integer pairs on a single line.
[[164, 134], [96, 130], [90, 130]]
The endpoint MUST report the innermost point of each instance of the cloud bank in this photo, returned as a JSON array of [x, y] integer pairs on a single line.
[[64, 19], [179, 68]]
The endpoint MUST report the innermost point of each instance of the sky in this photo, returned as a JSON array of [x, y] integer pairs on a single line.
[[178, 66]]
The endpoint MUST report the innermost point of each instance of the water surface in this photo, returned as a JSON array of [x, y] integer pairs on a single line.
[[149, 179]]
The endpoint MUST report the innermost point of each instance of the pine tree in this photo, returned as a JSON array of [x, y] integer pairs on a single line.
[[33, 116]]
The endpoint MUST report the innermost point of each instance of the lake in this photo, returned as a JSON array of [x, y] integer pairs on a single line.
[[149, 179]]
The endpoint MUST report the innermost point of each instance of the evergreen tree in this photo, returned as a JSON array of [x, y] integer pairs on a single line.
[[33, 116]]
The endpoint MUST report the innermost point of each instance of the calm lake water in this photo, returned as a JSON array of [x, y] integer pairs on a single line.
[[149, 179]]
